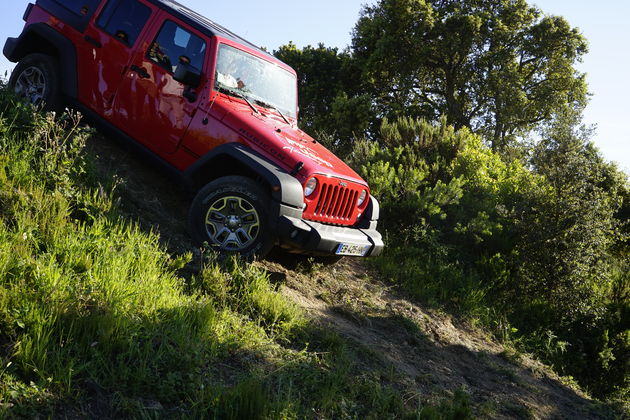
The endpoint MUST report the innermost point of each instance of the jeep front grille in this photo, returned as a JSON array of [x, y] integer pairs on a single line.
[[336, 202]]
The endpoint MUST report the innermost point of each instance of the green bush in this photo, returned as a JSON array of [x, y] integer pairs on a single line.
[[533, 254]]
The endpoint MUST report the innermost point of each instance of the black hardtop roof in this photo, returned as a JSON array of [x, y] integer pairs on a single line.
[[202, 23]]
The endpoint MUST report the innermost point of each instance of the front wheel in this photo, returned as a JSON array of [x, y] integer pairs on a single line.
[[36, 80], [231, 214]]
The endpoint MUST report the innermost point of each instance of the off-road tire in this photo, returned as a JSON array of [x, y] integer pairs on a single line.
[[36, 79], [231, 216]]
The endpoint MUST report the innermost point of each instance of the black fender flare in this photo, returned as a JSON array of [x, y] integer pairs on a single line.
[[286, 190], [17, 48], [370, 215]]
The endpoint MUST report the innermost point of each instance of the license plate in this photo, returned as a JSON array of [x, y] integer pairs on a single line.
[[352, 249]]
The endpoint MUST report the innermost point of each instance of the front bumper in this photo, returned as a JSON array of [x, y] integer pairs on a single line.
[[319, 239]]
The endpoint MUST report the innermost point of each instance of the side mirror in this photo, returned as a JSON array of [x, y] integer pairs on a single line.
[[188, 75]]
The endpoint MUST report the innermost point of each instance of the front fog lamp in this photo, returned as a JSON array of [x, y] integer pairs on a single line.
[[310, 186], [362, 197]]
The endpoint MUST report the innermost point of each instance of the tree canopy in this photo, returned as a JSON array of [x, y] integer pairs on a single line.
[[331, 100], [499, 67]]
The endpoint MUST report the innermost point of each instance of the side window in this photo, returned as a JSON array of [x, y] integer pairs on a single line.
[[175, 44], [80, 7], [124, 19]]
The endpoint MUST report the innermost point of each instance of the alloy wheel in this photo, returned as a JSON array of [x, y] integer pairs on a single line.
[[232, 223], [31, 84]]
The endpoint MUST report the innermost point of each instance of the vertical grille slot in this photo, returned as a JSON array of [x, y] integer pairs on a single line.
[[322, 198], [341, 203], [331, 201], [349, 204], [332, 195], [335, 202]]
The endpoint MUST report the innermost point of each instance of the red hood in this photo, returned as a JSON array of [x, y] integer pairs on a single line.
[[286, 144]]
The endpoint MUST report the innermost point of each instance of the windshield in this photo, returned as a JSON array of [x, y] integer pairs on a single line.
[[243, 74]]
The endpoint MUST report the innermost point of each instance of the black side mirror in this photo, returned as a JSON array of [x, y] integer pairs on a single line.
[[188, 75]]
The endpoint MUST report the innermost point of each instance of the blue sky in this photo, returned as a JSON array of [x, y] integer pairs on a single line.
[[272, 23]]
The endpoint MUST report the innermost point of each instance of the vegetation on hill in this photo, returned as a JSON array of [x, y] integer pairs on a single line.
[[538, 257], [95, 320], [466, 122], [437, 105]]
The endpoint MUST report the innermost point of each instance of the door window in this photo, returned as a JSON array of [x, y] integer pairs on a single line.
[[124, 19], [175, 44], [80, 7]]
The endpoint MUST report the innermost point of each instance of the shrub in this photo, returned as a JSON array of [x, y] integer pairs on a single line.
[[491, 238]]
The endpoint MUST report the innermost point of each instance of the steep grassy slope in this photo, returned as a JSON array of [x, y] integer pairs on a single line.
[[95, 320], [107, 311]]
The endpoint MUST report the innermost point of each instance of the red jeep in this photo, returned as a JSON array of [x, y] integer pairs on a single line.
[[207, 104]]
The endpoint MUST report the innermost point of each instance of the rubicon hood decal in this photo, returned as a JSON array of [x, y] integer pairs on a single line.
[[302, 149]]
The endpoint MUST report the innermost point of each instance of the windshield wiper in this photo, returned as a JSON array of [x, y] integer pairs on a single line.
[[239, 95], [275, 108]]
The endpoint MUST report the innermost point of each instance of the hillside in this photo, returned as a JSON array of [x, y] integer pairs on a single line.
[[108, 311], [425, 355]]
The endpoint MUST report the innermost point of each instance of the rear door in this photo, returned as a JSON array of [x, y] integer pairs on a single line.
[[108, 45], [150, 104]]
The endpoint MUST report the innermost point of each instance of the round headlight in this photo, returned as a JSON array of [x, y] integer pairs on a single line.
[[362, 197], [310, 186]]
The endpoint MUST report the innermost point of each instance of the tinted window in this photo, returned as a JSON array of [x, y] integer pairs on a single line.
[[124, 19], [80, 7], [174, 44]]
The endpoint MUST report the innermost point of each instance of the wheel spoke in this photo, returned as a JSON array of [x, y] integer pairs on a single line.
[[222, 235], [232, 242], [242, 233], [250, 218], [214, 216], [19, 88], [233, 206], [32, 78]]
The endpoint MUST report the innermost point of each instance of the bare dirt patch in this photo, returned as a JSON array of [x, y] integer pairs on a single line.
[[432, 353]]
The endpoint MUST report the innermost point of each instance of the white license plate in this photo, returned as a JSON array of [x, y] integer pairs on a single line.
[[352, 249]]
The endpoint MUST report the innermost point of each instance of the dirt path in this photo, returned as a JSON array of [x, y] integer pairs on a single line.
[[433, 354], [429, 353]]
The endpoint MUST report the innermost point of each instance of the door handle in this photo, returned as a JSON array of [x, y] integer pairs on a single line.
[[141, 71], [93, 41]]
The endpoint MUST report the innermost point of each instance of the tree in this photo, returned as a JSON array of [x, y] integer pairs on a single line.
[[499, 67], [572, 253], [330, 100], [567, 237]]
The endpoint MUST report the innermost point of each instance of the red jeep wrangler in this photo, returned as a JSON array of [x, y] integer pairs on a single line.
[[202, 101]]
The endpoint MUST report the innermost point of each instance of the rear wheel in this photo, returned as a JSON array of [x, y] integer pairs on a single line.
[[36, 80], [231, 215]]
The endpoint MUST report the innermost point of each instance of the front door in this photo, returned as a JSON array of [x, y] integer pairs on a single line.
[[150, 105]]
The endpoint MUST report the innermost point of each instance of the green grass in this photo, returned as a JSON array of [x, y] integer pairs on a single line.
[[96, 320]]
